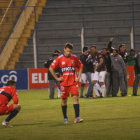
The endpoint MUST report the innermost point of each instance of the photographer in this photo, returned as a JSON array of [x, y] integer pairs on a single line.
[[51, 79]]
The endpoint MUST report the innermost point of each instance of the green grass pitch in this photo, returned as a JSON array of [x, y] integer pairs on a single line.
[[109, 118]]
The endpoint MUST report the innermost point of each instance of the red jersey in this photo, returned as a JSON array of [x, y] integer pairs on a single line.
[[68, 65], [6, 94]]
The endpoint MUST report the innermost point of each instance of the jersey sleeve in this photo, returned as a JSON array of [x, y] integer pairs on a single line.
[[15, 96], [55, 64]]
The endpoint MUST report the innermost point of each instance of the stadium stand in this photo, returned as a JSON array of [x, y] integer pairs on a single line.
[[61, 22], [21, 31], [9, 12]]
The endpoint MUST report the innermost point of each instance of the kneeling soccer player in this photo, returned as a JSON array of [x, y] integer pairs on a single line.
[[68, 63], [7, 93]]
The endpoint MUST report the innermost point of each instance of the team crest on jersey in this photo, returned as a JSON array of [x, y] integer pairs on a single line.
[[63, 63], [72, 61]]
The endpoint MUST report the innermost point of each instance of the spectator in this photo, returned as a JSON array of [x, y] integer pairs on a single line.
[[118, 70], [131, 58], [124, 55]]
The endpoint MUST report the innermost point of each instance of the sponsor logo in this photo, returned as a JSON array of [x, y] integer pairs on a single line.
[[39, 78], [68, 69], [63, 63], [11, 76]]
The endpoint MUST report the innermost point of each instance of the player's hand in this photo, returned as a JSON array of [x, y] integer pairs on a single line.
[[77, 79], [59, 79], [95, 69], [111, 39]]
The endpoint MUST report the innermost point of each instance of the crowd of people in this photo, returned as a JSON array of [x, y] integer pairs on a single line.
[[109, 70], [104, 71]]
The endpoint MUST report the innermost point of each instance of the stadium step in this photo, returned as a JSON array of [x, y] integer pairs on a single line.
[[61, 22], [23, 39]]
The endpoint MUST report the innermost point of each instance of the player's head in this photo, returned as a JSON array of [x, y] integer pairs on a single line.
[[105, 50], [11, 83], [85, 50], [93, 50], [68, 49], [122, 48], [58, 52], [132, 52], [115, 52]]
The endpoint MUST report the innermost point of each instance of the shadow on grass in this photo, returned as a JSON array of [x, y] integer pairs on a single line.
[[40, 124], [113, 119], [60, 124]]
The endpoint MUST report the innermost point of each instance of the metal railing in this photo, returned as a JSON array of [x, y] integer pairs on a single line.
[[9, 19]]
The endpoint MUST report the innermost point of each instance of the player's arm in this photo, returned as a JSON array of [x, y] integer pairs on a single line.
[[79, 74], [100, 63], [54, 74], [110, 44], [80, 67]]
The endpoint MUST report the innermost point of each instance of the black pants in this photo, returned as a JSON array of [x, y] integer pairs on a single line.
[[136, 82]]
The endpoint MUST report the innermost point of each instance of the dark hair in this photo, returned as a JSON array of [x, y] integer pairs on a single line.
[[57, 51], [105, 48], [69, 45], [10, 83], [54, 54], [121, 45], [115, 50], [93, 46], [132, 50], [85, 49]]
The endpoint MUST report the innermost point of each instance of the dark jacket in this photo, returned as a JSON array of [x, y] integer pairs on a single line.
[[107, 62], [88, 67], [124, 56], [47, 65], [137, 64]]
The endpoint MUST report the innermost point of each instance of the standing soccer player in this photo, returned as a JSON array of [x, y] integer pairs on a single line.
[[7, 93], [68, 63]]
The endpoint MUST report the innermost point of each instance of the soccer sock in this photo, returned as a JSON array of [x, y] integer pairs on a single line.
[[12, 115], [96, 89], [76, 108], [64, 110], [58, 92], [103, 90]]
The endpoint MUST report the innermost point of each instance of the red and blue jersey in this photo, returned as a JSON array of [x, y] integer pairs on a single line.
[[68, 66], [6, 94]]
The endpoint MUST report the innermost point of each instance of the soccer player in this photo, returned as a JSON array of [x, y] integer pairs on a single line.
[[68, 63], [7, 93], [108, 76], [86, 73], [99, 71]]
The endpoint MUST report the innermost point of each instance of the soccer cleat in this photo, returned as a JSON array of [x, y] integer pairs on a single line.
[[65, 121], [78, 120], [6, 124]]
